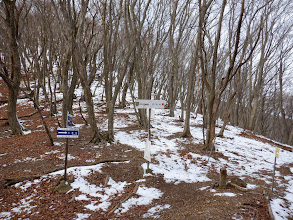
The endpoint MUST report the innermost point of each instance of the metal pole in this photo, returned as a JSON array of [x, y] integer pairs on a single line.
[[149, 135], [274, 174], [66, 153]]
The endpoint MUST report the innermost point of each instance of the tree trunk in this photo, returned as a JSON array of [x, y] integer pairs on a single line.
[[97, 137], [226, 113], [182, 108], [190, 90], [14, 82], [124, 93], [171, 96], [110, 134], [253, 113], [213, 105], [290, 141], [71, 91], [65, 87], [12, 117], [283, 115]]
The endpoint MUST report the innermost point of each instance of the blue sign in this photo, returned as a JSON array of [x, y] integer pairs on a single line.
[[67, 132], [69, 120]]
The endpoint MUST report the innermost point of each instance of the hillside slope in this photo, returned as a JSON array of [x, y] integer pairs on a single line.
[[109, 180]]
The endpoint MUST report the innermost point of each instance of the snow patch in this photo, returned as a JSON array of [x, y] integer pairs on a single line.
[[225, 194], [153, 212]]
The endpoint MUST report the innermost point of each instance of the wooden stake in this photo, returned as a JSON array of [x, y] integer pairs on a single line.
[[223, 178]]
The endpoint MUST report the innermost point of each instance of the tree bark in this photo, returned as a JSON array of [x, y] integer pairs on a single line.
[[190, 90], [65, 104], [13, 82], [283, 115], [226, 111]]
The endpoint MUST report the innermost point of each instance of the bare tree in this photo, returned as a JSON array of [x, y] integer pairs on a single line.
[[149, 38], [115, 56], [271, 38], [10, 65], [237, 54], [82, 45], [180, 17]]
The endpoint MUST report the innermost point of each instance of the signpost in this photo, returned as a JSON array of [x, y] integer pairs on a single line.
[[149, 104], [69, 132], [276, 156]]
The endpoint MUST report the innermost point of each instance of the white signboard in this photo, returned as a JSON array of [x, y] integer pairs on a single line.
[[147, 151], [147, 103]]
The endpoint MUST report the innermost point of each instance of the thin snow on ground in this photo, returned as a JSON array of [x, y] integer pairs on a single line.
[[81, 216], [103, 194], [154, 211], [225, 194], [5, 215], [247, 157], [147, 195], [30, 159], [25, 102], [25, 205], [69, 157]]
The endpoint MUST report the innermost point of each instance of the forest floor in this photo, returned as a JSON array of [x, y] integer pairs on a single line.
[[31, 154]]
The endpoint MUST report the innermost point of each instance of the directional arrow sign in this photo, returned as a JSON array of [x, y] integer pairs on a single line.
[[67, 132], [147, 103]]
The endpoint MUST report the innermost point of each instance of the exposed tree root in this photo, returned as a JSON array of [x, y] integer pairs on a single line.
[[239, 187], [125, 199]]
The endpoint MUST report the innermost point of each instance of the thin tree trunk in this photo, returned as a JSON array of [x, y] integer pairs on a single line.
[[65, 87], [226, 114], [190, 90], [290, 141], [283, 115], [71, 90]]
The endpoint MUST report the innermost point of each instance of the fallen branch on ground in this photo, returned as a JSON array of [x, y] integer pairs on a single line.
[[11, 181]]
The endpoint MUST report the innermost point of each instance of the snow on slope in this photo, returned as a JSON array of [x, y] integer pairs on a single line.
[[247, 157]]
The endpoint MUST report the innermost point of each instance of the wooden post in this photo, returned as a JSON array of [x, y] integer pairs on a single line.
[[223, 178]]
